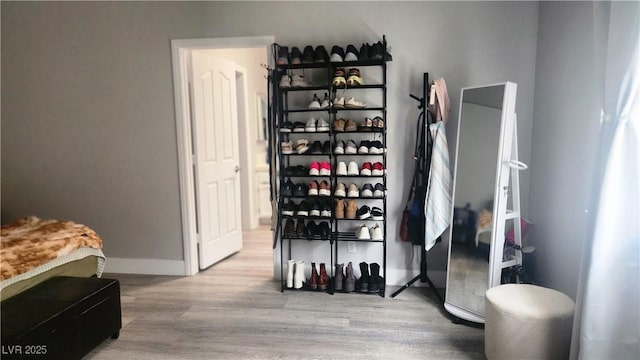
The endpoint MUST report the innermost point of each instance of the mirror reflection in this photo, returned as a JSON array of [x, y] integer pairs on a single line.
[[479, 132]]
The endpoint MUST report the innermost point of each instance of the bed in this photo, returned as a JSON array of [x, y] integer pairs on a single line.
[[34, 250]]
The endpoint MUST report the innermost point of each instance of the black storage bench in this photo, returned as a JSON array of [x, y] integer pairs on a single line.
[[61, 318]]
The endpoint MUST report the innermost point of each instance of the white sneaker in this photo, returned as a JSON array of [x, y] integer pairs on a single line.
[[339, 149], [311, 125], [285, 81], [323, 125], [352, 103], [376, 233], [338, 103], [353, 191], [326, 103], [353, 169], [363, 233], [340, 190], [315, 103], [298, 81], [351, 148], [378, 190], [341, 169]]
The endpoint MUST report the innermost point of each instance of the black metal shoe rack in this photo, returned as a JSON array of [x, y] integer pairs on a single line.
[[289, 108]]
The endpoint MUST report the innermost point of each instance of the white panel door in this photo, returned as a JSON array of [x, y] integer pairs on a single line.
[[216, 158]]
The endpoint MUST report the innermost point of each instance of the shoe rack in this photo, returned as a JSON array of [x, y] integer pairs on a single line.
[[331, 117]]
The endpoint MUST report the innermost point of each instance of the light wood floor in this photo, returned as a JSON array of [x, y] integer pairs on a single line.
[[235, 310]]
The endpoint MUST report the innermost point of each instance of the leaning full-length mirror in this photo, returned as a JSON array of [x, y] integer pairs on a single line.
[[481, 136]]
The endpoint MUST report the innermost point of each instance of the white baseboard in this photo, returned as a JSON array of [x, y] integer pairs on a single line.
[[145, 266]]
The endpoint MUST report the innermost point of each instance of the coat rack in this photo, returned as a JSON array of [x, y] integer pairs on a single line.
[[423, 106]]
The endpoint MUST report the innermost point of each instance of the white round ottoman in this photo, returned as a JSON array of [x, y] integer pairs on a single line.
[[527, 322]]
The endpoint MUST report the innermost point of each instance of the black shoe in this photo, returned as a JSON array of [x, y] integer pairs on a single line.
[[314, 208], [320, 55], [289, 229], [301, 170], [307, 55], [337, 54], [377, 51], [365, 49], [301, 230], [364, 212], [288, 209], [352, 53], [316, 147], [303, 209], [287, 189], [286, 126], [300, 190], [326, 147], [374, 279], [362, 284], [296, 56], [325, 209], [283, 55], [310, 231], [324, 231]]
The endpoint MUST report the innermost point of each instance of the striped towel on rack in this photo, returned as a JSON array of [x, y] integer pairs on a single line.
[[437, 209]]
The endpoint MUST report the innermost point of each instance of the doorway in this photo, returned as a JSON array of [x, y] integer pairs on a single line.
[[246, 131]]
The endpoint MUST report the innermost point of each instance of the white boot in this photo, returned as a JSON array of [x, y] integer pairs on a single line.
[[290, 267], [298, 279]]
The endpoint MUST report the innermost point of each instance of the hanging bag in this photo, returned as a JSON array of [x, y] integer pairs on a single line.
[[412, 222]]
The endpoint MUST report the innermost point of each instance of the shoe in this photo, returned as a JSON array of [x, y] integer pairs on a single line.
[[286, 148], [298, 81], [354, 78], [303, 209], [340, 190], [326, 103], [324, 188], [350, 125], [337, 54], [339, 78], [323, 279], [313, 188], [310, 126], [315, 103], [314, 277], [295, 56], [289, 229], [365, 49], [364, 147], [287, 188], [352, 53], [377, 124], [339, 149], [364, 213], [366, 169], [291, 264], [365, 125], [324, 231], [351, 148], [353, 191], [316, 147], [339, 209], [302, 145], [323, 125], [349, 279], [363, 283], [314, 208], [338, 279], [286, 127], [352, 209], [325, 209], [299, 127], [338, 102], [377, 214], [285, 81], [320, 55], [338, 125], [288, 209], [375, 147], [353, 169], [363, 232], [378, 169], [300, 170], [377, 51], [298, 276], [326, 147], [367, 190], [307, 55], [352, 103], [283, 55], [314, 170], [378, 190], [376, 232], [341, 169], [325, 169], [301, 229], [374, 278], [300, 190]]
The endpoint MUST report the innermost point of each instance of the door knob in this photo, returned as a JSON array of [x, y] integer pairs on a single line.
[[237, 169]]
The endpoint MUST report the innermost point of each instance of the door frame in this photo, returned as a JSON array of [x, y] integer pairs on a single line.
[[181, 54]]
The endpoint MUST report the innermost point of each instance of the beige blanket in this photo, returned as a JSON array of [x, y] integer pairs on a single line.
[[30, 242]]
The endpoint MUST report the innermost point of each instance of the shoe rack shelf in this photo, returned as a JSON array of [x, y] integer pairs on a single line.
[[294, 167]]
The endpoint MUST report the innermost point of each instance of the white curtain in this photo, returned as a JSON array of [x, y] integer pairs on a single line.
[[607, 320]]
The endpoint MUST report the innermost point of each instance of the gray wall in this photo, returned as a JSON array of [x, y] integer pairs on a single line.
[[88, 128], [567, 118]]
